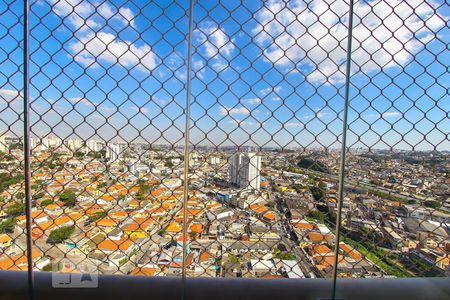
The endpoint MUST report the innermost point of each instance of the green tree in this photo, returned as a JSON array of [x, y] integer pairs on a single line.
[[7, 226], [61, 234], [193, 235], [37, 196], [46, 202], [235, 259], [318, 193], [432, 204], [79, 154], [97, 216], [277, 253], [20, 196], [68, 197], [311, 164], [16, 209]]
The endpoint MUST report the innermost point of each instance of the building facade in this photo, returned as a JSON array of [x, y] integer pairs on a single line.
[[244, 170]]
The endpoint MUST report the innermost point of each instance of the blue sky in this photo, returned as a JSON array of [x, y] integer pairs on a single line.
[[270, 75]]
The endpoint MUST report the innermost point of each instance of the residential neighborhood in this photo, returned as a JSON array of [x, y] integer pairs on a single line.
[[256, 213]]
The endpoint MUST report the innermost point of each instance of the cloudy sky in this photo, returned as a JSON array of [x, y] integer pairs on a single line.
[[268, 74]]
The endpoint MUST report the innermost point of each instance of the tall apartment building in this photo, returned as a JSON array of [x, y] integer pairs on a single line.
[[51, 142], [92, 145], [113, 152], [73, 144], [3, 146], [244, 170]]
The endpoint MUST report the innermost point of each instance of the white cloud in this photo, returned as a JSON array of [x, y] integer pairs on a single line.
[[106, 108], [85, 101], [234, 111], [198, 68], [91, 46], [126, 15], [106, 10], [212, 41], [242, 123], [321, 114], [391, 114], [78, 14], [276, 98], [143, 110], [386, 33], [268, 90], [293, 124], [219, 64], [387, 114], [253, 101], [97, 116], [103, 46], [10, 95]]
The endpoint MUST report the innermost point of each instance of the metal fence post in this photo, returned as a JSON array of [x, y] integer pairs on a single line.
[[343, 147], [26, 145], [186, 138]]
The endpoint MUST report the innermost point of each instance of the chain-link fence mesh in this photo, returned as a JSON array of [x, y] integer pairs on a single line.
[[395, 209], [108, 90]]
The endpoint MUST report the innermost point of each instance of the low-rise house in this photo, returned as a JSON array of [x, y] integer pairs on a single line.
[[5, 241], [261, 268]]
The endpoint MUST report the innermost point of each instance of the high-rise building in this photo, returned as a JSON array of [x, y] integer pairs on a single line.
[[214, 160], [244, 170], [113, 152], [51, 142], [3, 146], [73, 144], [92, 145], [34, 142]]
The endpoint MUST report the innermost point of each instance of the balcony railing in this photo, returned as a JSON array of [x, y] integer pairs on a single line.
[[225, 139]]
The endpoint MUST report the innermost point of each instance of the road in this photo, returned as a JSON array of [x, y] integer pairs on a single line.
[[352, 183], [291, 246]]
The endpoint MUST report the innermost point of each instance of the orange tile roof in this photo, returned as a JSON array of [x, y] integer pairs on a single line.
[[139, 226], [143, 271], [156, 192], [204, 256], [118, 214], [4, 238], [107, 198], [76, 216], [174, 227], [62, 220], [134, 189], [304, 225], [52, 206], [192, 212], [269, 215], [316, 236], [327, 261], [350, 251], [45, 225], [134, 202], [123, 245], [106, 222], [196, 228], [321, 249]]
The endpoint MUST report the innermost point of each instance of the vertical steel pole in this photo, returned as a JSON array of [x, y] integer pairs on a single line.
[[344, 147], [186, 139], [26, 144]]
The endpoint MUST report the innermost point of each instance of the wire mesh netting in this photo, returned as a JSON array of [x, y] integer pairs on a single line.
[[111, 161]]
